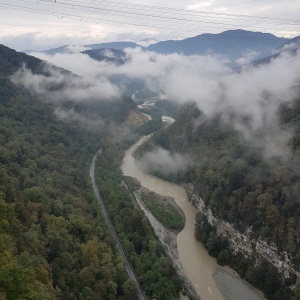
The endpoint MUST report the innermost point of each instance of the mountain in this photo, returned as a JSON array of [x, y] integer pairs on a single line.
[[54, 241], [240, 186], [49, 228], [113, 45], [46, 220], [291, 46], [232, 44], [293, 43], [107, 55], [11, 61]]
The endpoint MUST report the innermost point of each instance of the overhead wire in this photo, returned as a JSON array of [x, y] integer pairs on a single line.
[[83, 18], [178, 10], [142, 15], [120, 12], [173, 10]]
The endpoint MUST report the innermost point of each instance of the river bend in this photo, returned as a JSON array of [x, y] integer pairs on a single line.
[[196, 263]]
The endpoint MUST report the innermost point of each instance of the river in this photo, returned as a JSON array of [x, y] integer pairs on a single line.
[[196, 263], [200, 268]]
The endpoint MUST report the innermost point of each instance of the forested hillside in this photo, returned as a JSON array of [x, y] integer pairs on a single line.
[[240, 185], [54, 241], [152, 265]]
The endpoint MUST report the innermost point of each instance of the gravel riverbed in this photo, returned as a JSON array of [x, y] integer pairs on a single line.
[[231, 286], [169, 239]]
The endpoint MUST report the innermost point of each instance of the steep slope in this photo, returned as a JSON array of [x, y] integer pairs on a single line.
[[232, 44], [113, 45], [290, 47], [107, 55], [11, 61], [54, 241], [239, 185], [291, 44]]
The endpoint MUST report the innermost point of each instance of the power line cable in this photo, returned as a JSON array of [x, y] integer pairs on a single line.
[[149, 8], [83, 18], [177, 10], [143, 15], [97, 20]]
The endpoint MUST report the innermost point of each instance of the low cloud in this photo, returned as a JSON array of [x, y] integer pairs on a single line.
[[76, 48], [253, 94], [163, 161], [72, 116], [37, 41], [58, 85], [247, 58]]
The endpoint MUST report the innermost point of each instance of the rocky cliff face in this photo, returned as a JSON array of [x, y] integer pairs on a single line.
[[244, 242]]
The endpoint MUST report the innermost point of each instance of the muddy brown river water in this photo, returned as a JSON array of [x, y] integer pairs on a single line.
[[200, 268], [196, 263]]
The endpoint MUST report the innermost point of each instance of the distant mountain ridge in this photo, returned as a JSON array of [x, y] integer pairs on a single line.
[[113, 45], [291, 47], [107, 55], [230, 44]]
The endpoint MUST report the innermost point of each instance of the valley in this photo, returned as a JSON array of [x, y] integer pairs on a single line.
[[194, 193], [193, 259]]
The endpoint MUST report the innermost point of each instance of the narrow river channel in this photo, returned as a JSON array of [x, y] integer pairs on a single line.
[[197, 264], [200, 268]]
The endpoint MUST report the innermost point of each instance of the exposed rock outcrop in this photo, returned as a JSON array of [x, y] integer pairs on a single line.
[[244, 242]]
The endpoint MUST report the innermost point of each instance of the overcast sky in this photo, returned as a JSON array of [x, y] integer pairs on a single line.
[[44, 24]]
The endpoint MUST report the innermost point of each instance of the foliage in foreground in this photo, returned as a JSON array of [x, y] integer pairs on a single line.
[[152, 266], [163, 211], [54, 243], [235, 180], [260, 274]]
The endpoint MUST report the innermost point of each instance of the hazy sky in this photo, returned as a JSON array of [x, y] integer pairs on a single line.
[[43, 24]]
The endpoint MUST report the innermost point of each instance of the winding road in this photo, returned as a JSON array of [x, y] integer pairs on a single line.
[[128, 265]]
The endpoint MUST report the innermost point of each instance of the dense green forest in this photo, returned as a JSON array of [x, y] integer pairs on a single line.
[[54, 241], [259, 273], [166, 213], [150, 261], [238, 183]]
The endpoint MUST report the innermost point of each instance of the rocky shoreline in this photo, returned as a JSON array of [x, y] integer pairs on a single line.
[[244, 242], [231, 286], [168, 238]]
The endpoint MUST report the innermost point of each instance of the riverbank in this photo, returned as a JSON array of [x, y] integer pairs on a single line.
[[233, 287], [164, 209], [168, 238], [191, 256]]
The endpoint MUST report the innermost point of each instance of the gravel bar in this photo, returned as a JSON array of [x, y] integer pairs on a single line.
[[235, 288]]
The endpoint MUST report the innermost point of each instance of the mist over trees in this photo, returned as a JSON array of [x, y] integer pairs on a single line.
[[237, 143], [55, 243], [239, 183]]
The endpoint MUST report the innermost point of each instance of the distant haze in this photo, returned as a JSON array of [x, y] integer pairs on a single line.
[[40, 25], [254, 93], [236, 46]]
